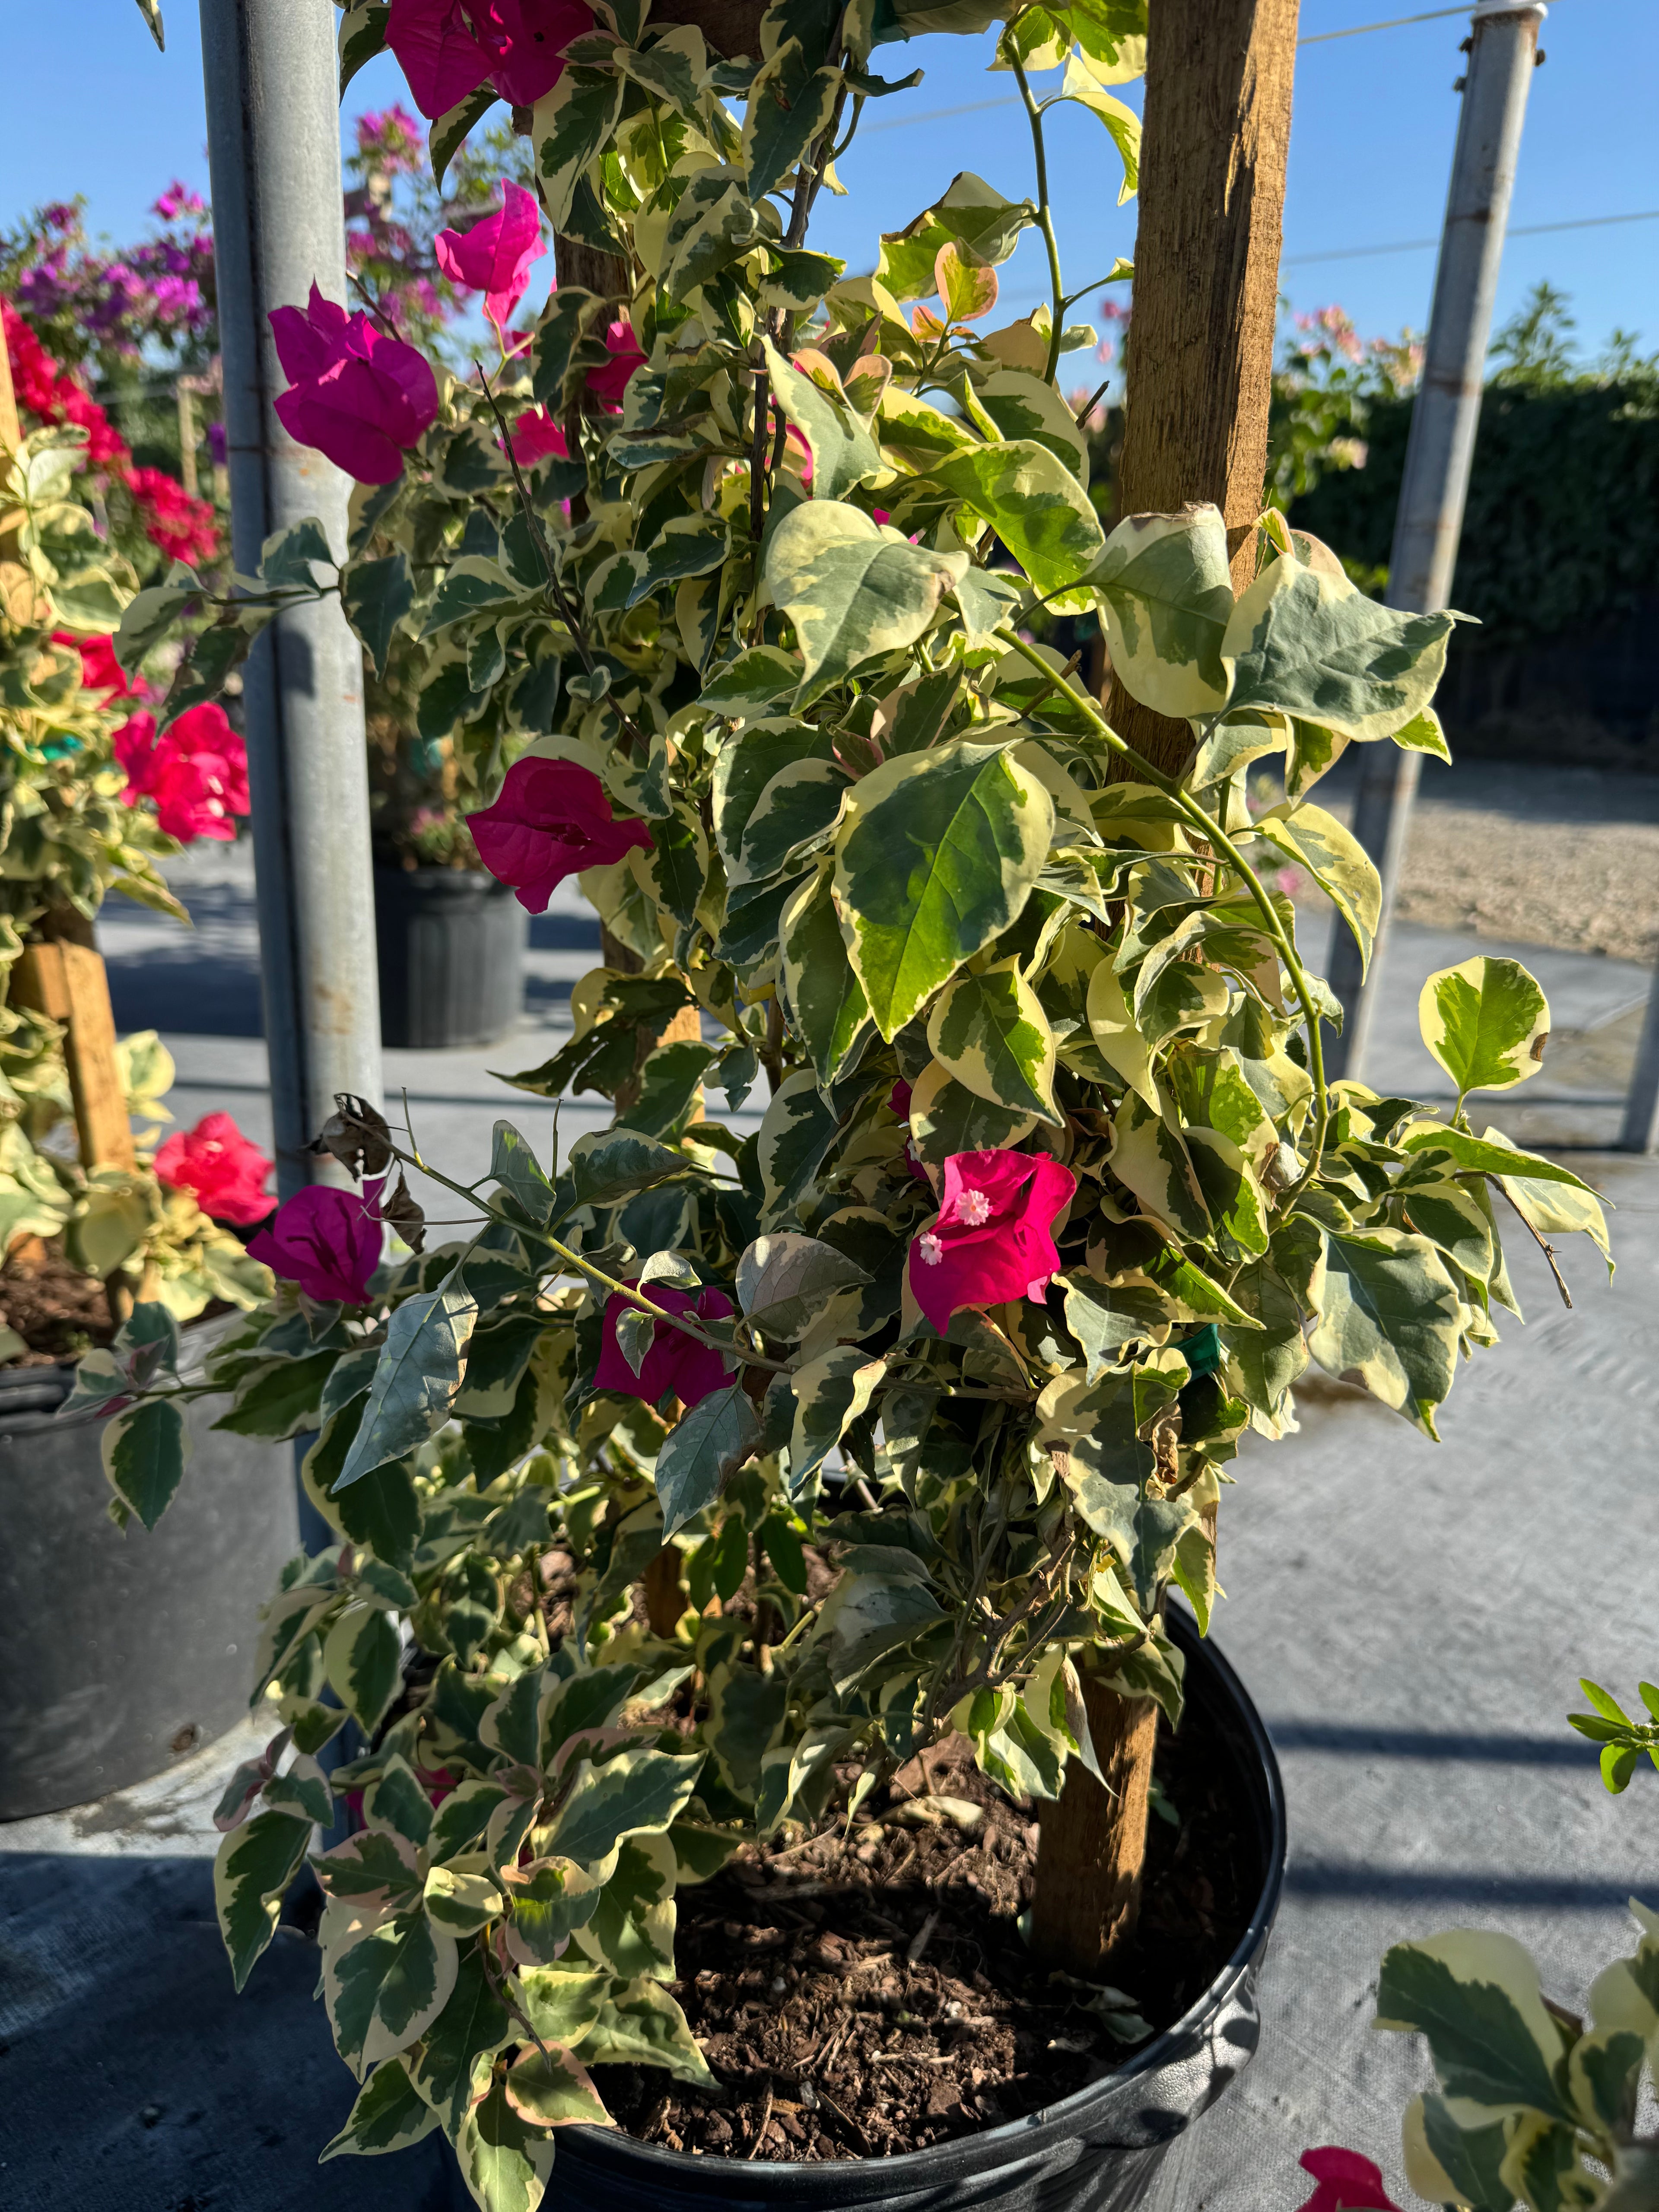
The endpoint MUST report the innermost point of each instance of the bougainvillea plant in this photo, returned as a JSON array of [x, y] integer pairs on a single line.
[[93, 804], [1049, 1203]]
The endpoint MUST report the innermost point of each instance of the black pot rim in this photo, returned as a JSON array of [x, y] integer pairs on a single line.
[[45, 1388], [1027, 2134]]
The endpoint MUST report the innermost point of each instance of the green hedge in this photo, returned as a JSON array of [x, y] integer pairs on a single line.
[[1561, 533]]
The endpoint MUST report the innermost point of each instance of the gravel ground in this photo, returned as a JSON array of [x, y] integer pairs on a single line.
[[1567, 857]]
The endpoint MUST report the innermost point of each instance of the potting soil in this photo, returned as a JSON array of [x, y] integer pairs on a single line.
[[869, 1993]]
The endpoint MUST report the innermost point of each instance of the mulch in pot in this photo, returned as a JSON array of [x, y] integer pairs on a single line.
[[863, 1996], [58, 1311]]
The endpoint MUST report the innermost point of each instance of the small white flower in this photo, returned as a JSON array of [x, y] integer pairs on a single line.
[[932, 1250], [974, 1207]]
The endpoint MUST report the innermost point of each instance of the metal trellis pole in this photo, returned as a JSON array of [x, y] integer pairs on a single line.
[[1504, 50], [274, 153]]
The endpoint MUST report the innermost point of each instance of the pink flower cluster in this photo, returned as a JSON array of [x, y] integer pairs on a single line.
[[993, 1240], [326, 1241], [676, 1362], [354, 394], [494, 257], [552, 820], [182, 527], [448, 48], [225, 1170], [195, 773]]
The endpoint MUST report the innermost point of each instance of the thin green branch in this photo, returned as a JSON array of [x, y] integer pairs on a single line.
[[1273, 926], [1045, 215]]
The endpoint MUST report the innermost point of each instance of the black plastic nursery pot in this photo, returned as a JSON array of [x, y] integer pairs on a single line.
[[451, 944], [123, 1653], [1124, 2144]]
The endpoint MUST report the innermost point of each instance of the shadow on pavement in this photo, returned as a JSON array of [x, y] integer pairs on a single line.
[[133, 2076]]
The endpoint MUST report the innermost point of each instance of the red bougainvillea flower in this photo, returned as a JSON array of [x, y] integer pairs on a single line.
[[356, 394], [538, 437], [99, 670], [326, 1241], [1348, 2183], [608, 383], [993, 1239], [224, 1169], [447, 48], [495, 256], [552, 820], [184, 528], [195, 774], [676, 1361]]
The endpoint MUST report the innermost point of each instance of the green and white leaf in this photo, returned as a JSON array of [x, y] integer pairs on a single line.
[[1486, 1022], [937, 855], [852, 588]]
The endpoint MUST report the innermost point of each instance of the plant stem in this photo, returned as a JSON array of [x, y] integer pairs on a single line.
[[1272, 928], [1045, 217]]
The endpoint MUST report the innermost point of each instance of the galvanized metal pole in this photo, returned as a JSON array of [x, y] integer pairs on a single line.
[[1429, 521], [1641, 1131], [274, 153]]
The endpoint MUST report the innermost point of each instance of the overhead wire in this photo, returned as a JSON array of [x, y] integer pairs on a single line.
[[1011, 99]]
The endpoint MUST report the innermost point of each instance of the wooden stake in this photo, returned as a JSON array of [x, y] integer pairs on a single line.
[[63, 978], [1200, 385], [1092, 1847], [1200, 347]]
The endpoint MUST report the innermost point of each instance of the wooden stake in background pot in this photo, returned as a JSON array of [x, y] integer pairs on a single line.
[[1199, 383]]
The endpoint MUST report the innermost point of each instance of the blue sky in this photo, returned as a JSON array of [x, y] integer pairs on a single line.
[[1371, 147]]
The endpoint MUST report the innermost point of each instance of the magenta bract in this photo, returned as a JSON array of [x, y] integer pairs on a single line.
[[675, 1362], [495, 256], [356, 394], [1348, 2183], [608, 383], [992, 1241], [552, 820], [447, 48], [195, 773], [328, 1241], [224, 1170], [538, 437]]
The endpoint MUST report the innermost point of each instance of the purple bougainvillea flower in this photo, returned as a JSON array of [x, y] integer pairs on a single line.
[[495, 256], [993, 1239], [675, 1362], [1348, 2183], [326, 1241], [447, 48], [552, 820], [354, 394]]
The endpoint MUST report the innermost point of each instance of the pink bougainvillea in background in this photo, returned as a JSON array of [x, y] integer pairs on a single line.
[[608, 383], [225, 1170], [99, 670], [538, 437], [1348, 2183], [447, 48], [494, 257], [195, 773], [552, 820], [676, 1361], [328, 1241], [183, 527], [355, 394], [993, 1239]]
